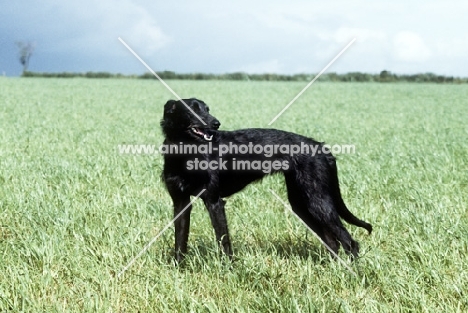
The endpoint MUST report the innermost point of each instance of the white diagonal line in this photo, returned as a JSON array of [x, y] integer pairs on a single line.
[[158, 235], [320, 239], [313, 80], [160, 79]]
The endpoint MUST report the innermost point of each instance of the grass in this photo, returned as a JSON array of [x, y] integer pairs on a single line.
[[74, 212]]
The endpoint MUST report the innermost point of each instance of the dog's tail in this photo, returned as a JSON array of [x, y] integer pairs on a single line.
[[341, 206], [350, 218]]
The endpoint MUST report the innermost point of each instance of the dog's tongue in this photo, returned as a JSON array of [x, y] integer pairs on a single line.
[[202, 133]]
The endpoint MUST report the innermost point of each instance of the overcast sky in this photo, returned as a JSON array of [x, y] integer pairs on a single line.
[[288, 37]]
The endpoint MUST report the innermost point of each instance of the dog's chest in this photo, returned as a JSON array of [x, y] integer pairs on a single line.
[[178, 175]]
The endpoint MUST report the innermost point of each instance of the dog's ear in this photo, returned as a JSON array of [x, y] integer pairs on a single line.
[[170, 106]]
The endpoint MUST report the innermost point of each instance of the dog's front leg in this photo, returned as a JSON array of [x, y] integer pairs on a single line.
[[182, 226], [217, 213]]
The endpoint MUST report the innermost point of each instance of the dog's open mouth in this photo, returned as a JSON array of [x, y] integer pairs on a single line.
[[201, 133]]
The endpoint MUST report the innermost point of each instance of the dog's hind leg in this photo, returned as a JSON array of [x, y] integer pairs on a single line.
[[182, 225], [323, 209], [215, 207], [300, 205], [311, 200], [335, 228]]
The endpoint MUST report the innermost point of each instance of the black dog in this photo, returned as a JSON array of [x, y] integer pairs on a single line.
[[224, 162]]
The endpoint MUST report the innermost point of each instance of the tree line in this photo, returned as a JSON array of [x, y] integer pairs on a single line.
[[382, 77]]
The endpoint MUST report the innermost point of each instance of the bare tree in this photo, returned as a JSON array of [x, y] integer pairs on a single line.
[[26, 49]]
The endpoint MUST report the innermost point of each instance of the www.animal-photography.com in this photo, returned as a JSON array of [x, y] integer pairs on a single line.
[[233, 157]]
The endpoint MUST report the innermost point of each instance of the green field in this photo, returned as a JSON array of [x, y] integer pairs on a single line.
[[74, 212]]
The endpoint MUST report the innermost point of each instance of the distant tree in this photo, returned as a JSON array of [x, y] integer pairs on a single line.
[[26, 49], [387, 76]]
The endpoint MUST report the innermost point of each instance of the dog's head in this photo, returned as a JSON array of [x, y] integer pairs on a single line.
[[188, 120]]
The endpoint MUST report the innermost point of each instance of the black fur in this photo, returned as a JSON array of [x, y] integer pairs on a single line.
[[312, 181]]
